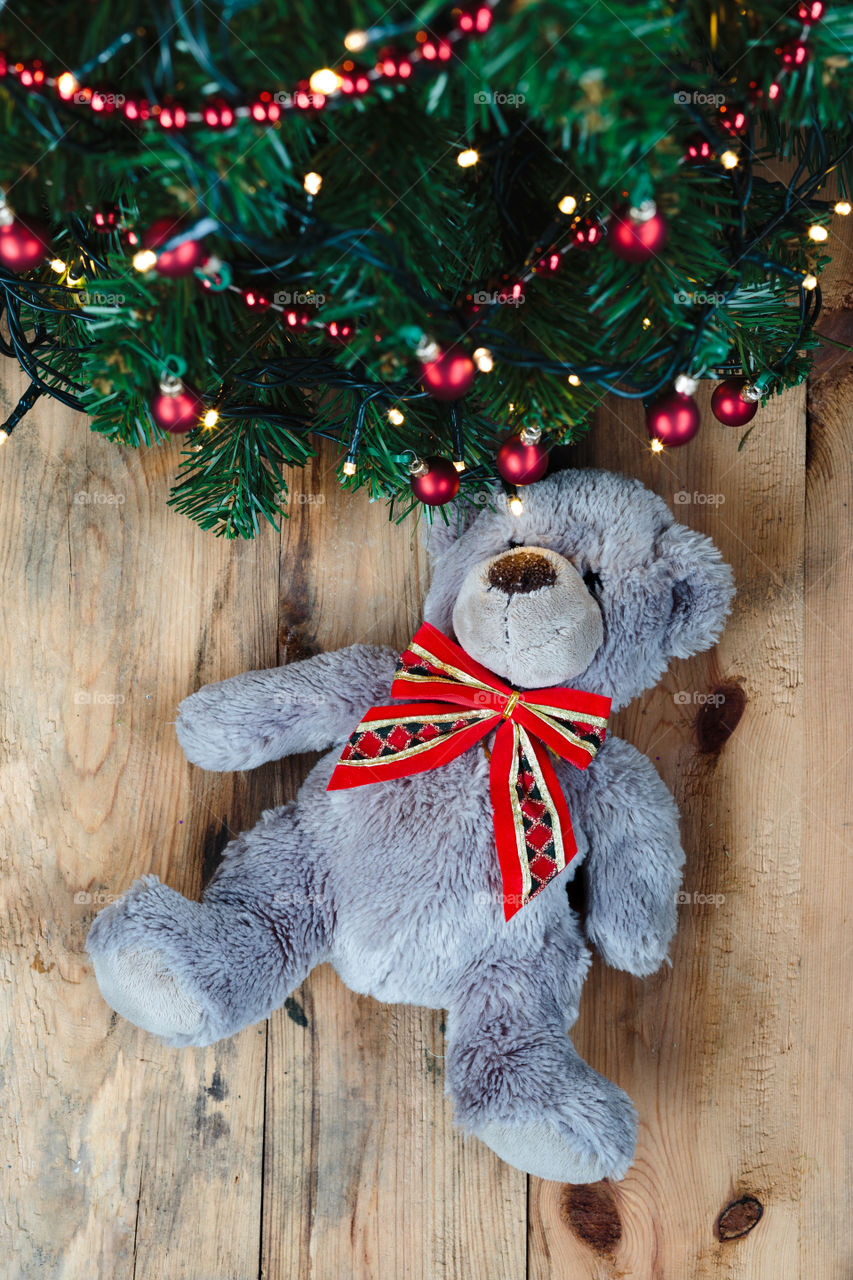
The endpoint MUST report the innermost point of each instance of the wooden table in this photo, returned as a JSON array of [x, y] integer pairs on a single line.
[[319, 1146]]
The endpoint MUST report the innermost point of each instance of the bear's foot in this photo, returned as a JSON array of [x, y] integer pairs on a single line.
[[583, 1139]]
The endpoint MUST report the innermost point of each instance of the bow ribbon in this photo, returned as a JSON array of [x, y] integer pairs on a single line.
[[533, 830]]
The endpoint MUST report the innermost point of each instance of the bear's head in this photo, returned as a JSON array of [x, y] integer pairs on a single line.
[[594, 585]]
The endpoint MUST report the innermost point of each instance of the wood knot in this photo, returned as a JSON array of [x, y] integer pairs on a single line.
[[591, 1212], [719, 716], [739, 1218]]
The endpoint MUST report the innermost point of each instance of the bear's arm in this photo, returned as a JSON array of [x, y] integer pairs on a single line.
[[304, 706], [635, 859]]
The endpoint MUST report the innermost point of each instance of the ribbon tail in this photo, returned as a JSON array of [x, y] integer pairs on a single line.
[[533, 829]]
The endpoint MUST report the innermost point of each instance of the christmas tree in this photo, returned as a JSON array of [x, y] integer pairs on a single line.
[[437, 236]]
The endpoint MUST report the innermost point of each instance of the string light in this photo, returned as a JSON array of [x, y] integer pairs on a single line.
[[809, 281], [657, 446], [647, 324], [312, 182], [4, 436], [66, 85], [466, 159], [58, 266], [210, 419], [395, 416], [730, 159], [325, 81], [843, 207], [349, 467], [574, 380], [144, 260], [516, 506], [459, 464], [818, 233], [482, 358], [567, 205], [355, 41]]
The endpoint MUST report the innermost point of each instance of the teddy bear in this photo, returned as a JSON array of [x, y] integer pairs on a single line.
[[394, 863]]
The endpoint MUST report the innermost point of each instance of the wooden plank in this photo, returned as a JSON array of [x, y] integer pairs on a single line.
[[709, 1049], [364, 1175], [126, 1159], [827, 1030]]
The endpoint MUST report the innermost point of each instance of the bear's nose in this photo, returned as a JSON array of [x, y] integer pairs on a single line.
[[521, 571]]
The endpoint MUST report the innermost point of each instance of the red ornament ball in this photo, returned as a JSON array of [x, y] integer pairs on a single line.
[[449, 375], [22, 245], [794, 54], [729, 407], [811, 10], [674, 419], [698, 148], [438, 484], [522, 462], [636, 239], [178, 262], [177, 411]]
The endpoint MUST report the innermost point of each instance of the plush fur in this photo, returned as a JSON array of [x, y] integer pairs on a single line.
[[397, 884]]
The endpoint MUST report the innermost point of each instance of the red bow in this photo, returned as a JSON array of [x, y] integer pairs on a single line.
[[533, 830]]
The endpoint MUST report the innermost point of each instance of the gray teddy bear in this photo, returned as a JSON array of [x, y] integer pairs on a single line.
[[593, 587]]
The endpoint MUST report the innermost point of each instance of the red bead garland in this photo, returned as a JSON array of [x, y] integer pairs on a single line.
[[181, 261]]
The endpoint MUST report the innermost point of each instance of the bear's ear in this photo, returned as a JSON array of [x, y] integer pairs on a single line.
[[701, 586], [448, 523]]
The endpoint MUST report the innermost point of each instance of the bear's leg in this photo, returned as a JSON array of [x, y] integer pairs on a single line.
[[517, 1081], [195, 972]]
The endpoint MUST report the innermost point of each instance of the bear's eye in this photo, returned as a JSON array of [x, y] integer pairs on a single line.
[[592, 582]]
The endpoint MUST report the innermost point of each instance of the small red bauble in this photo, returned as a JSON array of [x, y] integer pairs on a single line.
[[587, 233], [174, 263], [449, 375], [728, 405], [811, 10], [434, 481], [674, 419], [698, 148], [637, 239], [177, 408], [794, 54], [22, 245], [522, 459]]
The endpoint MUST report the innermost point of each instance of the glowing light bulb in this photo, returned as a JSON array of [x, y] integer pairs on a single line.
[[355, 41], [58, 266], [312, 182], [730, 159], [349, 467], [144, 260], [467, 158], [395, 416], [66, 85], [818, 233], [647, 324], [482, 358], [568, 204], [844, 207], [574, 380], [657, 446], [516, 506], [809, 281], [211, 418], [459, 464], [4, 436], [325, 81]]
